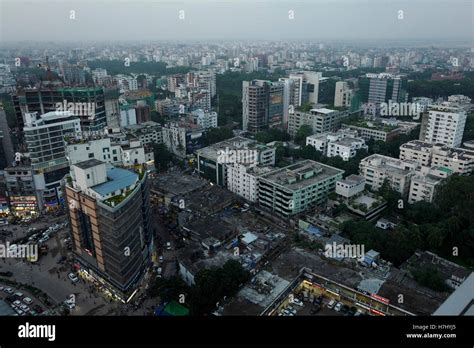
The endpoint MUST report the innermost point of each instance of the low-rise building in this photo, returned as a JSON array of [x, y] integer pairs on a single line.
[[290, 190], [377, 169], [426, 182], [343, 143], [214, 160], [350, 186], [459, 160], [372, 130], [320, 120]]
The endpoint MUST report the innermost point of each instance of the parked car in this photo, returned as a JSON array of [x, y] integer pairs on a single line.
[[161, 259], [8, 290], [18, 294], [17, 303], [168, 245], [297, 302], [338, 307], [73, 277], [27, 300], [331, 304]]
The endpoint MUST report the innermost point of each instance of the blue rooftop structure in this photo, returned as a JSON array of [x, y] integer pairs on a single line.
[[118, 179]]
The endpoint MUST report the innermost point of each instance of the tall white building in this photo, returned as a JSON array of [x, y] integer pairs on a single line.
[[242, 179], [44, 137], [444, 124], [342, 95]]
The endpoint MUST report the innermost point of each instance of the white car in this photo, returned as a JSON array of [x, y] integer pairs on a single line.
[[168, 245], [17, 303], [161, 259], [24, 307], [73, 277], [331, 304], [297, 302], [18, 294], [28, 300], [70, 304], [338, 307], [8, 290]]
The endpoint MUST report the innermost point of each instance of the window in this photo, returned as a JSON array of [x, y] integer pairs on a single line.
[[88, 176], [91, 155]]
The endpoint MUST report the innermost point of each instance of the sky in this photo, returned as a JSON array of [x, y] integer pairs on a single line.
[[123, 20]]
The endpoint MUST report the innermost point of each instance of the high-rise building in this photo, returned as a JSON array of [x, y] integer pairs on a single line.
[[85, 102], [44, 137], [342, 95], [444, 124], [262, 105], [109, 213], [6, 148], [380, 88]]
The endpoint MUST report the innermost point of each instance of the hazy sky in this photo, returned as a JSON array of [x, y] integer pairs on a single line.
[[235, 19]]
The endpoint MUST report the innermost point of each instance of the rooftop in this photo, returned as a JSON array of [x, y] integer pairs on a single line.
[[231, 144], [118, 179], [89, 163], [301, 174]]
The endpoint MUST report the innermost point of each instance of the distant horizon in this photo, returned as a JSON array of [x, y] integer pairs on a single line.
[[204, 20]]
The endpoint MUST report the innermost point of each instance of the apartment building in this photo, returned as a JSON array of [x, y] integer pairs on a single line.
[[376, 169], [244, 151], [425, 183], [350, 186], [181, 138], [205, 119], [300, 186], [459, 160], [342, 95], [130, 153], [444, 123], [262, 105], [44, 138], [109, 214], [242, 179], [320, 120], [343, 143], [373, 130]]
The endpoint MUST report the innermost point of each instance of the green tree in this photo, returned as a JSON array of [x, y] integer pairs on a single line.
[[163, 157], [302, 133]]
